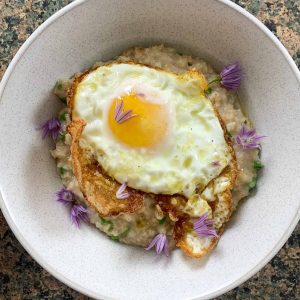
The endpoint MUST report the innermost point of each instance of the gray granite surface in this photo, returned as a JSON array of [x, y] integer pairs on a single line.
[[22, 278]]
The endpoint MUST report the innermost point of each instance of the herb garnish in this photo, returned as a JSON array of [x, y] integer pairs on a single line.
[[107, 222], [257, 165], [121, 235]]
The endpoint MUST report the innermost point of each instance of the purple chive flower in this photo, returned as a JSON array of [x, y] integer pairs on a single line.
[[203, 226], [79, 214], [121, 193], [65, 196], [216, 163], [160, 242], [51, 127], [120, 115], [248, 138], [231, 76]]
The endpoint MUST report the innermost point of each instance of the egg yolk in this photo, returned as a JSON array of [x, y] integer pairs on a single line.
[[147, 129]]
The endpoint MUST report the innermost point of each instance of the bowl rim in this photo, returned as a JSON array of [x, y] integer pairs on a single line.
[[48, 267]]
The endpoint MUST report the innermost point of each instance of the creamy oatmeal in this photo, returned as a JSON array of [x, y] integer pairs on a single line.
[[139, 227]]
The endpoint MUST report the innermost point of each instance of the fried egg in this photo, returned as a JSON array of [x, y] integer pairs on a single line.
[[152, 129]]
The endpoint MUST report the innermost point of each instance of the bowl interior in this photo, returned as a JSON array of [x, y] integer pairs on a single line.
[[89, 31]]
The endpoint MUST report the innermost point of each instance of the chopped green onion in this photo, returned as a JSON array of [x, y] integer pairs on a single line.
[[217, 79], [58, 85], [121, 235], [62, 171], [60, 89], [63, 116], [125, 233], [208, 91], [257, 165], [61, 136], [63, 99], [107, 222], [162, 221], [252, 183]]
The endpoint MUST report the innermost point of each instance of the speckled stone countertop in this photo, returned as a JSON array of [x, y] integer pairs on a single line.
[[22, 278]]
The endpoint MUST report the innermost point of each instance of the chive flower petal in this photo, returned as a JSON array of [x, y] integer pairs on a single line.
[[121, 193], [231, 76], [166, 248], [248, 139], [65, 196], [121, 116], [160, 242], [79, 214], [51, 128], [216, 163], [203, 226]]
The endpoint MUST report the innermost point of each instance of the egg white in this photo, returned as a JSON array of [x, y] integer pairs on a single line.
[[183, 162]]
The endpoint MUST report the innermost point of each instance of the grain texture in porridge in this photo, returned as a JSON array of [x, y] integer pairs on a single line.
[[139, 228]]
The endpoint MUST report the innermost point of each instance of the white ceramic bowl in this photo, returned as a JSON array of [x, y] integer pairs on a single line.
[[87, 31]]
